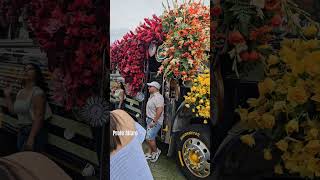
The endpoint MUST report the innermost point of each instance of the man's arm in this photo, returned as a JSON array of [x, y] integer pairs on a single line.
[[159, 111]]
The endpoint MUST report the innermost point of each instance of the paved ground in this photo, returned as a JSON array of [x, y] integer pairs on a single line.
[[165, 168]]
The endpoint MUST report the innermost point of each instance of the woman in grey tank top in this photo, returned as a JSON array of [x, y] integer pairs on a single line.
[[32, 109]]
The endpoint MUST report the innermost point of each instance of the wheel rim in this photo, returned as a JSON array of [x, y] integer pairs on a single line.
[[196, 156]]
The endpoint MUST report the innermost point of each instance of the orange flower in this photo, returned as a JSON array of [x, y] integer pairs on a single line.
[[236, 37], [193, 11], [182, 33]]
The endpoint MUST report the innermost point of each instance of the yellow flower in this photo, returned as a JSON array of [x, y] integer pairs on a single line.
[[297, 95], [266, 86], [268, 120], [313, 147], [248, 139], [312, 63], [291, 165], [297, 68], [193, 89], [253, 118], [265, 46], [279, 105], [272, 60], [282, 145], [278, 169], [310, 31], [312, 44], [267, 154], [292, 126], [274, 72], [297, 147], [288, 55], [253, 102], [282, 86], [243, 114], [187, 105], [312, 164], [287, 42], [312, 134]]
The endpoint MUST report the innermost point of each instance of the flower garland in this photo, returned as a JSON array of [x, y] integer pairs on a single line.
[[74, 44], [199, 97], [187, 41], [130, 53], [288, 108], [252, 27]]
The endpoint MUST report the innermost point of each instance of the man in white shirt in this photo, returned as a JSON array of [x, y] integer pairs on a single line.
[[154, 111]]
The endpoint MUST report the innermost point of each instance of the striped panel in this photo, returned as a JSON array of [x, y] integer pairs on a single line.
[[133, 107]]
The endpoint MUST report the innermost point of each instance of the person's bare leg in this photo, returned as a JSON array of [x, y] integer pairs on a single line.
[[149, 147], [153, 145]]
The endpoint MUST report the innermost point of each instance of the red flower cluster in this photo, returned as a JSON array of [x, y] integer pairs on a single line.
[[129, 54], [74, 44], [236, 38]]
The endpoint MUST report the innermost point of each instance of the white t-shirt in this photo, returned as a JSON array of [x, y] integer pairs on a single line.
[[155, 100]]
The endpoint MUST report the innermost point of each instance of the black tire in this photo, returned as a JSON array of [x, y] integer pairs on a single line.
[[201, 136]]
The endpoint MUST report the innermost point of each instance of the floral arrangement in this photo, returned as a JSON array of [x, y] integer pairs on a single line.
[[288, 108], [68, 32], [130, 53], [184, 51], [199, 97], [252, 27]]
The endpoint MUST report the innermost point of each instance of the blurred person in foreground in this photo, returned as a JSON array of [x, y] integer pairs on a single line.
[[127, 159], [30, 166]]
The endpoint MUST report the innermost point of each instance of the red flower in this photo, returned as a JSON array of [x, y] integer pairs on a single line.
[[67, 42], [253, 56], [244, 56], [276, 21], [273, 5], [216, 11], [236, 38]]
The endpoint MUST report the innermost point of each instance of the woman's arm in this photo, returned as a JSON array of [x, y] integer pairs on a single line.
[[8, 98], [121, 97], [38, 111]]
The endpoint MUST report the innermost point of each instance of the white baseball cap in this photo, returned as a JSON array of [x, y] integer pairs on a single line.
[[154, 84]]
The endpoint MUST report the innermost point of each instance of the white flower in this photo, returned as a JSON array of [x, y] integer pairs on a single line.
[[178, 20]]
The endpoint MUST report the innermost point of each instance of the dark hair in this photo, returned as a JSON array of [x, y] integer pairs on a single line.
[[39, 81], [114, 140], [122, 87]]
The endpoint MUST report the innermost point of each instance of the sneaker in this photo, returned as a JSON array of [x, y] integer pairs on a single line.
[[155, 155], [148, 156]]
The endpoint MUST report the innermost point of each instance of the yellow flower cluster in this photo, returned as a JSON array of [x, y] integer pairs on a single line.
[[290, 101], [199, 97]]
